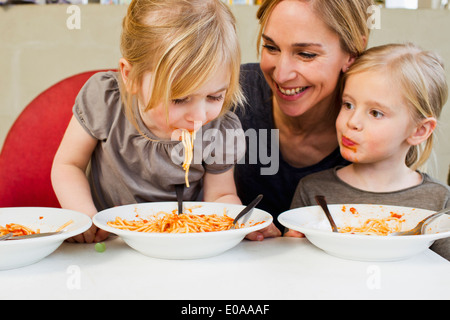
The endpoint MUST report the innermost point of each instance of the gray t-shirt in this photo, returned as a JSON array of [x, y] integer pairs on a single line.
[[127, 167], [430, 195]]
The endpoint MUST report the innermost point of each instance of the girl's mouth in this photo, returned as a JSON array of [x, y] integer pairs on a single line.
[[348, 143]]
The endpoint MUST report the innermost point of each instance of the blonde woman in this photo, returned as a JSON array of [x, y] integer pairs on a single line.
[[179, 75], [392, 98], [306, 46]]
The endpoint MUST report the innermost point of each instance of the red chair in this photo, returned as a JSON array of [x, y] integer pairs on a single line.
[[30, 146]]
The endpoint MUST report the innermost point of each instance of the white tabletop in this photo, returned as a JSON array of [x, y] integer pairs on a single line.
[[280, 268]]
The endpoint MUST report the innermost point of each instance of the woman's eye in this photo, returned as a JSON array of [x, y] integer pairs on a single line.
[[269, 47], [307, 55]]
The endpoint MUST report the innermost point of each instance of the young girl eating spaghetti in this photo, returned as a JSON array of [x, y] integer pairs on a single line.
[[392, 98], [177, 80]]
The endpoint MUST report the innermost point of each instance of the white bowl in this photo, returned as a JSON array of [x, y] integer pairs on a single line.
[[180, 245], [20, 253], [312, 222]]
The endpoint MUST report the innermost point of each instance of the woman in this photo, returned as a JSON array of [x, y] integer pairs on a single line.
[[306, 47]]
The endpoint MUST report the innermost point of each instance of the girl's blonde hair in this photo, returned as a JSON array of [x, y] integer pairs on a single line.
[[183, 43], [421, 78], [347, 18]]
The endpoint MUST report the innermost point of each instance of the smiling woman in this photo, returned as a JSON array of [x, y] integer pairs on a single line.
[[305, 47]]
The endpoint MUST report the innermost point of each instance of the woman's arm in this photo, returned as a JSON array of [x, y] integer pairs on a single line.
[[69, 174]]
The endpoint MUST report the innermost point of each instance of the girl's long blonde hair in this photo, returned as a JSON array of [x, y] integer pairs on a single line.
[[421, 78], [183, 43]]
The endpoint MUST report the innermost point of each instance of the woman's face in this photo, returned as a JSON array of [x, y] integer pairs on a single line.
[[301, 58]]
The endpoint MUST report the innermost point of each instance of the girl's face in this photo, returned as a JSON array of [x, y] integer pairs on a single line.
[[375, 122], [190, 112], [301, 58]]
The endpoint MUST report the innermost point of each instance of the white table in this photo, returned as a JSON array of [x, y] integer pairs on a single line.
[[281, 268]]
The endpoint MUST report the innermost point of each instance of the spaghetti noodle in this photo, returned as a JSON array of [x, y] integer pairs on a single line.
[[16, 230], [174, 223], [20, 230], [187, 139], [378, 227]]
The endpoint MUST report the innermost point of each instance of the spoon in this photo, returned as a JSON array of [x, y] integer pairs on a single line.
[[323, 203], [179, 189], [419, 229], [246, 210]]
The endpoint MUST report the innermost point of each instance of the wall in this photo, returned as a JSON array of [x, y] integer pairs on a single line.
[[37, 49]]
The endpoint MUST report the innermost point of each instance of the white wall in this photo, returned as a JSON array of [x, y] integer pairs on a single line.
[[37, 49]]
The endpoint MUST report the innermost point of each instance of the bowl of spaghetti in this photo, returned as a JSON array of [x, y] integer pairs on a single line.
[[31, 220], [364, 230], [203, 230]]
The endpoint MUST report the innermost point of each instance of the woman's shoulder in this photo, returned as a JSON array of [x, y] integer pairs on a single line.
[[252, 78], [257, 111]]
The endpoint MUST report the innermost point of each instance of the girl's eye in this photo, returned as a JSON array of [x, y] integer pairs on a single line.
[[179, 101], [347, 106], [376, 114], [216, 98]]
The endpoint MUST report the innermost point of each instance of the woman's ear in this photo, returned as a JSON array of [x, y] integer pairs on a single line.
[[423, 131], [125, 68], [348, 63]]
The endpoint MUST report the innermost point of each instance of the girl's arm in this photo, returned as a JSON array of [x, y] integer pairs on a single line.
[[220, 188], [69, 174]]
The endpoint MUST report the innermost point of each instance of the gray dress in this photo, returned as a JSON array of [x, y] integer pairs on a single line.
[[430, 195], [127, 167]]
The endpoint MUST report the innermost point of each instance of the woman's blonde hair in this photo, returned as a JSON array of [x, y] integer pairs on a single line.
[[183, 43], [347, 18], [421, 78]]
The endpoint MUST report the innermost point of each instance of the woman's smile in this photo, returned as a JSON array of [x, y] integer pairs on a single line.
[[292, 93]]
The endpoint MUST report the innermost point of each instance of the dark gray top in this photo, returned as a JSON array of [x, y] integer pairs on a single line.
[[430, 195], [127, 167]]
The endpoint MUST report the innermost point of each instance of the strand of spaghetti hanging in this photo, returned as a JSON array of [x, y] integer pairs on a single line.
[[187, 139]]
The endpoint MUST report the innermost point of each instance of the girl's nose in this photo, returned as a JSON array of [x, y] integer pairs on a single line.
[[354, 122], [285, 69], [197, 113]]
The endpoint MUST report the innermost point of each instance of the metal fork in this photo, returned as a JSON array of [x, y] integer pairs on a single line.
[[6, 236], [420, 228]]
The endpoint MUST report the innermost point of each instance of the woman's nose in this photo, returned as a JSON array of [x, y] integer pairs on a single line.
[[285, 69]]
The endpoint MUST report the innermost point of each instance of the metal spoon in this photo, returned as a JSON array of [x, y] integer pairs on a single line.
[[179, 189], [246, 210], [323, 203], [420, 228]]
